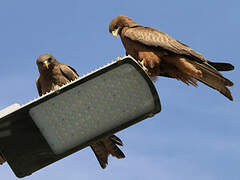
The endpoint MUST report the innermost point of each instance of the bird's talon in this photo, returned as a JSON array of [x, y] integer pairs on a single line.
[[145, 69], [143, 66]]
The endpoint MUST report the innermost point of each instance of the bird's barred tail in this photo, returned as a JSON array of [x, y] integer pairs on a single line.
[[107, 146], [211, 77]]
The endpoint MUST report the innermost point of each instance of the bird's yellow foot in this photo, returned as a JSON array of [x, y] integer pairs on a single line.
[[143, 66]]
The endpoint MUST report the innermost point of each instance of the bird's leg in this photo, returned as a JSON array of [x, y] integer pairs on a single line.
[[143, 66], [56, 88]]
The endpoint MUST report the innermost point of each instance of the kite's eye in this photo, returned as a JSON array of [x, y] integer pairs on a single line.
[[49, 59], [41, 63], [115, 27]]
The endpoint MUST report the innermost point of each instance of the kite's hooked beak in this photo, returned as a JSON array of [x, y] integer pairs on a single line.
[[115, 32], [46, 64]]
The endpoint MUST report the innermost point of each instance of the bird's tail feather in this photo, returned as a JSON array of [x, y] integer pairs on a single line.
[[221, 66], [106, 146], [100, 153], [211, 77], [112, 148]]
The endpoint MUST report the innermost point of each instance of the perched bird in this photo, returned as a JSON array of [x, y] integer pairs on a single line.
[[53, 75], [161, 55]]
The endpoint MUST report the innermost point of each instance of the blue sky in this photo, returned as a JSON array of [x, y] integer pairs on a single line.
[[196, 136]]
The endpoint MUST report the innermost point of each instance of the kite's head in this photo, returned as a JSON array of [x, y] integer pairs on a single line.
[[118, 23], [46, 62]]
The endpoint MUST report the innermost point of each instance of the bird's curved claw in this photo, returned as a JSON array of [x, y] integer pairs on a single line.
[[143, 66]]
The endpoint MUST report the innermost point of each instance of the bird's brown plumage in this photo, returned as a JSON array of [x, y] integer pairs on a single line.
[[2, 160], [162, 55], [54, 74]]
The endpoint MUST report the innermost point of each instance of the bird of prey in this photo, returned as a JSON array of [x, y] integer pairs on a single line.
[[53, 75], [161, 55]]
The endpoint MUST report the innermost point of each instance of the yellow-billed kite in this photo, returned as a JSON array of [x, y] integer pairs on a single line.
[[53, 75], [161, 55]]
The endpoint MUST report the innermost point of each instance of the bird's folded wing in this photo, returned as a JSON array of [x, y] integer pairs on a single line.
[[153, 37], [39, 87], [69, 72]]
